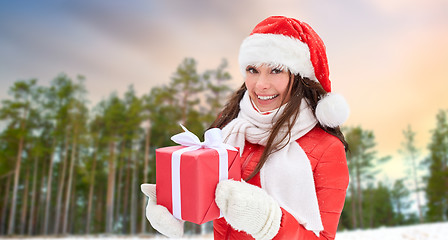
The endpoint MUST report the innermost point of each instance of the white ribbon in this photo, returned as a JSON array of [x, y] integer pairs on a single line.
[[213, 140]]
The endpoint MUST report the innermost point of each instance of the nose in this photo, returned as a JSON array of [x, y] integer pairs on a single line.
[[262, 82]]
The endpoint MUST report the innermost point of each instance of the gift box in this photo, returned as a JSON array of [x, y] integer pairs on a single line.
[[186, 178]]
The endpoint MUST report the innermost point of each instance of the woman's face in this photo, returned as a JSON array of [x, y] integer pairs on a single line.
[[267, 86]]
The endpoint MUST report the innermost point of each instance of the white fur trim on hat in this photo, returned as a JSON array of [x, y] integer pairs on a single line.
[[276, 50], [332, 110]]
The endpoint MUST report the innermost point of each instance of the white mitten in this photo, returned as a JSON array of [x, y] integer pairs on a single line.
[[249, 208], [159, 217]]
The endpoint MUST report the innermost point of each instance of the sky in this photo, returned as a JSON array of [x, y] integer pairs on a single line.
[[389, 59]]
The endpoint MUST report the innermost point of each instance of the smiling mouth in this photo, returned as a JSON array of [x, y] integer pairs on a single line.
[[267, 97]]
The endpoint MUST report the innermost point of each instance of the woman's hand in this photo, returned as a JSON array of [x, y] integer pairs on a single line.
[[248, 208], [159, 217]]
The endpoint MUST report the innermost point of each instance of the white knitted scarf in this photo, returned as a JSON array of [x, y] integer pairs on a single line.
[[286, 175]]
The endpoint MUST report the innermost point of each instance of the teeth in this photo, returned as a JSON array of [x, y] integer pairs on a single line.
[[267, 97]]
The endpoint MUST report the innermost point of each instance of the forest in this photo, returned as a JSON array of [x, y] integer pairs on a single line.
[[67, 168]]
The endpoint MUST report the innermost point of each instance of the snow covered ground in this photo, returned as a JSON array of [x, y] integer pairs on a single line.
[[434, 231], [416, 232]]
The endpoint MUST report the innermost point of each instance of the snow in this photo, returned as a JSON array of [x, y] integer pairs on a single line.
[[416, 232], [433, 231]]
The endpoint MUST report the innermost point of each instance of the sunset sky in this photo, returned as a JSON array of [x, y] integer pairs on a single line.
[[388, 58]]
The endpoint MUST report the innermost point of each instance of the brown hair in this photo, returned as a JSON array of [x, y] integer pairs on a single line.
[[301, 88]]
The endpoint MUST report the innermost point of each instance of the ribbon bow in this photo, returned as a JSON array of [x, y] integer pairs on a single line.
[[213, 140]]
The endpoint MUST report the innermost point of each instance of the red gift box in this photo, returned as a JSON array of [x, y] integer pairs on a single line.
[[198, 176]]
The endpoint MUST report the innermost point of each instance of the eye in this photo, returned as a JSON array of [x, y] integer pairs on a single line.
[[276, 71], [251, 69]]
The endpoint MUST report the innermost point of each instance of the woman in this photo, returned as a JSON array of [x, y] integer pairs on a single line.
[[287, 123]]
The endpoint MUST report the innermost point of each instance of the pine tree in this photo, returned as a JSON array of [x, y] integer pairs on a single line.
[[410, 153], [17, 113], [164, 115], [114, 113], [133, 131], [437, 180], [78, 116], [95, 127], [53, 168], [362, 162], [400, 200], [377, 205], [187, 83], [61, 98], [217, 89]]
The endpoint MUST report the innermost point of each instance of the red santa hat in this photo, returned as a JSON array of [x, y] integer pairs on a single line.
[[287, 42]]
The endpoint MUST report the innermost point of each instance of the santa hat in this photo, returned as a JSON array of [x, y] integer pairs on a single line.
[[287, 42]]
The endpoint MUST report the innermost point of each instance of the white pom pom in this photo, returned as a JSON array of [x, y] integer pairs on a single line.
[[332, 110]]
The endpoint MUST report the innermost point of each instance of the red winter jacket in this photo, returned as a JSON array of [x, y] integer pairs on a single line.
[[327, 156]]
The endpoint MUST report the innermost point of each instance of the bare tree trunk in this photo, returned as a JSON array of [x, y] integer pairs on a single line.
[[91, 188], [40, 210], [353, 206], [417, 189], [110, 189], [25, 203], [49, 184], [71, 212], [444, 207], [61, 187], [353, 198], [184, 106], [100, 209], [133, 206], [126, 193], [33, 198], [70, 180], [359, 195], [145, 175], [371, 210], [12, 212], [3, 191], [120, 166], [5, 202]]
